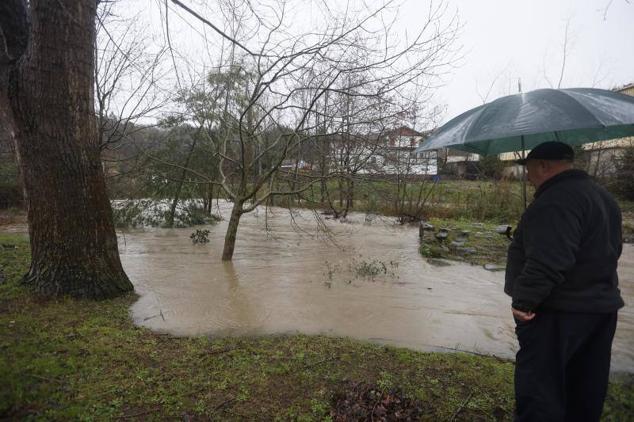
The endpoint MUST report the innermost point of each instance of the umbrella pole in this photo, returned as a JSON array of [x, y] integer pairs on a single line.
[[523, 173]]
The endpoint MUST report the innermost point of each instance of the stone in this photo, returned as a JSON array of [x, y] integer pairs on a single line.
[[493, 267], [466, 251], [504, 229], [441, 235], [438, 262], [463, 236]]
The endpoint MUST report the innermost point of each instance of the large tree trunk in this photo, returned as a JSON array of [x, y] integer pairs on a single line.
[[51, 112], [232, 231]]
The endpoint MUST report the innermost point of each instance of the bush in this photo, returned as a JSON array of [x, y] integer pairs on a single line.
[[153, 213], [624, 178], [491, 167], [200, 237]]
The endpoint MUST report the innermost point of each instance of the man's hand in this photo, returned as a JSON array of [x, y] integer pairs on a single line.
[[523, 316]]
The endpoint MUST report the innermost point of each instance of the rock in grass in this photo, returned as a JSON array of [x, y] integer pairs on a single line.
[[493, 267], [463, 236], [442, 234], [466, 251], [426, 226], [438, 262]]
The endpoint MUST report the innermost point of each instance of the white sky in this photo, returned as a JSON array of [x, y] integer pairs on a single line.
[[521, 39], [502, 41]]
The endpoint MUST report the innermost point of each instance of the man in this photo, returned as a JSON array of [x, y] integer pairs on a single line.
[[561, 274]]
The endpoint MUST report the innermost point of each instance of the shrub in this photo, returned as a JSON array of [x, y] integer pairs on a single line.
[[624, 178]]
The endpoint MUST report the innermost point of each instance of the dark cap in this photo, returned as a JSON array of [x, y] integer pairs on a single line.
[[549, 151]]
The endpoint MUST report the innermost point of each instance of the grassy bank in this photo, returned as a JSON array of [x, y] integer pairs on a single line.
[[482, 245], [479, 200], [66, 359]]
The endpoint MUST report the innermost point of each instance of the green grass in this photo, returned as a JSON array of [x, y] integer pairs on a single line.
[[66, 359], [481, 200], [490, 246]]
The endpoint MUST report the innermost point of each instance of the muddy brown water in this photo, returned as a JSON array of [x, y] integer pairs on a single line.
[[363, 280]]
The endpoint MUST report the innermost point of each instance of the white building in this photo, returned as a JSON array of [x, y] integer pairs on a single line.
[[393, 153]]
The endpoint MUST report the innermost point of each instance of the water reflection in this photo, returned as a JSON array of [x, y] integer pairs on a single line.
[[289, 277]]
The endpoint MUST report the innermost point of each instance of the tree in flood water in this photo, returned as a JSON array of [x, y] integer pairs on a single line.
[[47, 106], [271, 108]]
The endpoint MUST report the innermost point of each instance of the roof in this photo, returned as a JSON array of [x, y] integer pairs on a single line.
[[404, 131], [625, 87]]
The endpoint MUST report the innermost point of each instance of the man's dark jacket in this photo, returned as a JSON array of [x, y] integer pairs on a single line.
[[565, 250]]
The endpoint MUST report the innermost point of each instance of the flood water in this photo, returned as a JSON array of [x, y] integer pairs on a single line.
[[359, 279]]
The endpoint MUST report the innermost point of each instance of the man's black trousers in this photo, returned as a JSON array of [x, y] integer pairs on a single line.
[[563, 365]]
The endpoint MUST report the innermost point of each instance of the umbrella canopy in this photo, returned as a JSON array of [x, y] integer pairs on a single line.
[[522, 121]]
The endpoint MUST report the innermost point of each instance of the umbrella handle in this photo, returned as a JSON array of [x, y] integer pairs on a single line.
[[523, 173]]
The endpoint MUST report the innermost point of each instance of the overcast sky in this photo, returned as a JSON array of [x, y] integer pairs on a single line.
[[502, 41], [519, 39]]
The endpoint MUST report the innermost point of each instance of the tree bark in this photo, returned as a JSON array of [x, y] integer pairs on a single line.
[[232, 231], [208, 197], [179, 187], [50, 111]]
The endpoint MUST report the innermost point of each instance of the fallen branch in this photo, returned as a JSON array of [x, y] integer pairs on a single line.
[[221, 351], [224, 403], [462, 406], [144, 412], [55, 380]]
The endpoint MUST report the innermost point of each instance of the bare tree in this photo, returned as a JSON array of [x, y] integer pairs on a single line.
[[128, 93], [269, 115]]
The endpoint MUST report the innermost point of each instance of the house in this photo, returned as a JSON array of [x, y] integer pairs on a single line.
[[602, 157], [458, 163], [393, 153]]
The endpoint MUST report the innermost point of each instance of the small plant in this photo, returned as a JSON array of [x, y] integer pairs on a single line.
[[385, 382], [200, 237], [331, 270], [432, 251], [372, 269]]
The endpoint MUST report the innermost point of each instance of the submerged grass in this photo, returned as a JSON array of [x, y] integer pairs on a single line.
[[69, 359]]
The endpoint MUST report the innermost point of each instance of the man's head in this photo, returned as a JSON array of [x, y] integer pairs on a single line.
[[547, 160]]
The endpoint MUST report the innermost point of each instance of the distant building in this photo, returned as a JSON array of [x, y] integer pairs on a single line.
[[388, 154], [626, 89], [458, 163], [603, 156]]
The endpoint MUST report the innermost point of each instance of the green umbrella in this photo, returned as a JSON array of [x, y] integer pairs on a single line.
[[522, 121]]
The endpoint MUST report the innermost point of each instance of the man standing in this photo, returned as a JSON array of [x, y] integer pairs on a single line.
[[561, 274]]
